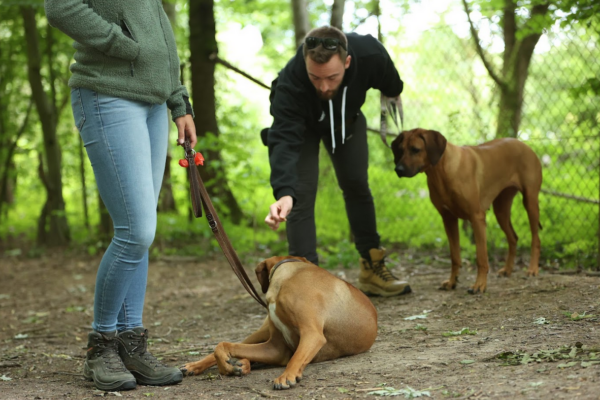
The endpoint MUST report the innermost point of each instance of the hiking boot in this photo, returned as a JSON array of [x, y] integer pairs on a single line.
[[133, 349], [376, 279], [103, 364]]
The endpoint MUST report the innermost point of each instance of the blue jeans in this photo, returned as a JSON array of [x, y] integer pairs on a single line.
[[126, 142]]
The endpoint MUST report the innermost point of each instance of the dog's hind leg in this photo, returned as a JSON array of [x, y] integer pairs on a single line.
[[198, 367], [531, 203], [502, 206]]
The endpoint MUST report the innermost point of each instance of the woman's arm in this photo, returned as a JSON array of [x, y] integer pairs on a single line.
[[85, 26]]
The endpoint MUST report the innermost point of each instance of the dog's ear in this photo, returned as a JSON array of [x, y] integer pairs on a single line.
[[262, 274], [435, 145]]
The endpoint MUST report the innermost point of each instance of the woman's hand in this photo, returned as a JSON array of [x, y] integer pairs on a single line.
[[186, 129]]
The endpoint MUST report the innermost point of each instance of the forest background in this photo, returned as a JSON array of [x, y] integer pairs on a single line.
[[473, 70]]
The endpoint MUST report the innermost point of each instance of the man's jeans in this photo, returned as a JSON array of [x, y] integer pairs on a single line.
[[126, 142], [351, 162]]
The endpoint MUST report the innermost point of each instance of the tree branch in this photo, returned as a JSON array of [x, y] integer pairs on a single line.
[[488, 66], [215, 58]]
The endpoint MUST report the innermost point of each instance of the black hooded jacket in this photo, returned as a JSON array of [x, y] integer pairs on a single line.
[[296, 108]]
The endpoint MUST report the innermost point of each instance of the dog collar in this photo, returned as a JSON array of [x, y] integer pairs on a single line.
[[279, 263]]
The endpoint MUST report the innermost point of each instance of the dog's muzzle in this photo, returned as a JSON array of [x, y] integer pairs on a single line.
[[402, 172]]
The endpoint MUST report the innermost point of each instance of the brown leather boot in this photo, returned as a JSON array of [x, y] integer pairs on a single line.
[[376, 279]]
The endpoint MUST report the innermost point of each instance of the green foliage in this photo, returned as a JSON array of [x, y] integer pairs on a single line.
[[446, 88]]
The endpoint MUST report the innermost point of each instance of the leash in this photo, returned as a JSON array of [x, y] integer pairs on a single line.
[[201, 200]]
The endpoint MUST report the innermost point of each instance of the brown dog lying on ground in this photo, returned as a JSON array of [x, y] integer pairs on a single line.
[[313, 316], [464, 181]]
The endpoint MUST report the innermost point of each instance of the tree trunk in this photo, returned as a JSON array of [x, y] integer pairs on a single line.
[[166, 201], [519, 45], [301, 20], [203, 44], [517, 57], [53, 228], [337, 14]]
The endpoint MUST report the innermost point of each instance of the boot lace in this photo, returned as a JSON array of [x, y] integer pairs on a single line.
[[383, 272], [108, 352], [141, 349]]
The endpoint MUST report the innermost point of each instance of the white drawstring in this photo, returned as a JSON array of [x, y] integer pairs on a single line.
[[331, 123], [343, 120], [344, 115]]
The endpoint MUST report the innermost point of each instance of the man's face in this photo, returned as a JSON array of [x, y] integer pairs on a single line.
[[327, 77]]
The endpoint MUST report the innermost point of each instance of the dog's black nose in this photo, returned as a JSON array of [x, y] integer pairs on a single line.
[[400, 170]]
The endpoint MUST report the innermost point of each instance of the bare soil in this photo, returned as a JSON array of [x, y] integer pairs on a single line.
[[527, 338]]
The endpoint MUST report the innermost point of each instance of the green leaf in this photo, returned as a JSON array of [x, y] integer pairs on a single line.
[[463, 331], [586, 364], [467, 362], [567, 365]]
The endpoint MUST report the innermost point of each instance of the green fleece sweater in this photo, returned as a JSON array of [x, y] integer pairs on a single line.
[[124, 48]]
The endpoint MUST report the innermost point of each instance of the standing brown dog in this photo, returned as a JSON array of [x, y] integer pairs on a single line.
[[313, 316], [464, 181]]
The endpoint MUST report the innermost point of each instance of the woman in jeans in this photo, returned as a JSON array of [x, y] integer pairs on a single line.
[[125, 76]]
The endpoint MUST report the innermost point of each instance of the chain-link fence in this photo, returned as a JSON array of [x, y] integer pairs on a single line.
[[449, 90]]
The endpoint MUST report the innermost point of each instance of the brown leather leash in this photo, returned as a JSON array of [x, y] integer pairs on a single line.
[[201, 200]]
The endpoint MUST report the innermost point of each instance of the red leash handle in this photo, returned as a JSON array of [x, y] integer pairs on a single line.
[[191, 161]]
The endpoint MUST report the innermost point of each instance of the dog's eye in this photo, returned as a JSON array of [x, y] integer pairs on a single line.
[[415, 150]]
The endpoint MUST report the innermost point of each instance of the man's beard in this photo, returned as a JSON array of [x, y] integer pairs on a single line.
[[327, 95]]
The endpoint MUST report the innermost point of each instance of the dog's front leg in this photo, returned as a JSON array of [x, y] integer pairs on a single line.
[[311, 342], [451, 227], [197, 367], [478, 222], [235, 358]]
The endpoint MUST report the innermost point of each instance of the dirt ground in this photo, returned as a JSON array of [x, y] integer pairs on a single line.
[[529, 338]]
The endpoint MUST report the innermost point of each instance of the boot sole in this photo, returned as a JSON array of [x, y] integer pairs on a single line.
[[172, 379], [89, 375], [377, 291]]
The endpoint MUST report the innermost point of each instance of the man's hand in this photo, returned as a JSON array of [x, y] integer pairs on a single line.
[[186, 128], [279, 211]]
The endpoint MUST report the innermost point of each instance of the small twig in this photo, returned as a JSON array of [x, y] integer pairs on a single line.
[[183, 351], [65, 373], [38, 337], [9, 364], [36, 329], [263, 394]]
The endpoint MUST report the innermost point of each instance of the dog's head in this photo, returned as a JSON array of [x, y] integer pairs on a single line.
[[416, 150], [263, 269]]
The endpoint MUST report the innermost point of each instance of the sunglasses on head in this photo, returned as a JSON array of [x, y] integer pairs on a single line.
[[327, 43]]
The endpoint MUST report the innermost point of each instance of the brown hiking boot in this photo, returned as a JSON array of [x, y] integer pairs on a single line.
[[376, 279]]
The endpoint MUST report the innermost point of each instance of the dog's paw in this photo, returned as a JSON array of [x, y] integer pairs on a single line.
[[448, 285], [239, 367], [477, 289], [532, 273], [504, 272], [286, 381]]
